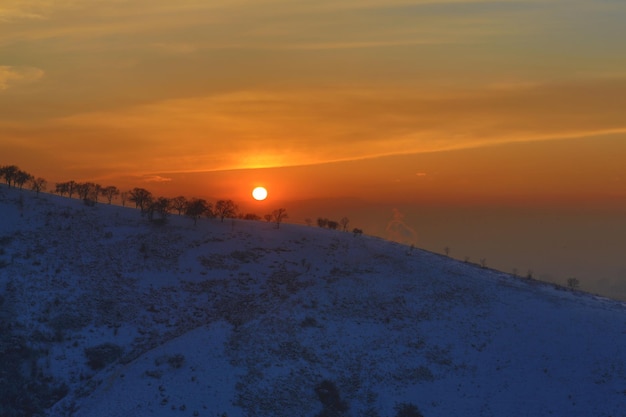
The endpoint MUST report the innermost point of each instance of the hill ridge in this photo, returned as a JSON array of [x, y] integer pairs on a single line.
[[123, 317]]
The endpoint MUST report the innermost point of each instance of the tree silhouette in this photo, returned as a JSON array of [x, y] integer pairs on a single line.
[[141, 197], [60, 188], [68, 187], [279, 215], [97, 190], [8, 172], [322, 222], [159, 206], [344, 223], [573, 283], [124, 195], [38, 184], [87, 191], [21, 177], [178, 203], [197, 208], [225, 208], [332, 224], [110, 192]]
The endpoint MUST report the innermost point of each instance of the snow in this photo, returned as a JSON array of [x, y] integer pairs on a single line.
[[239, 318]]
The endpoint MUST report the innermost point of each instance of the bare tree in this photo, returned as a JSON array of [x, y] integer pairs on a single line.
[[60, 188], [9, 172], [179, 203], [322, 222], [141, 197], [446, 250], [225, 208], [69, 187], [279, 215], [109, 192], [38, 184], [573, 283], [160, 206], [21, 178], [124, 195], [333, 225], [268, 217], [197, 208], [344, 223], [97, 190], [251, 216], [86, 190]]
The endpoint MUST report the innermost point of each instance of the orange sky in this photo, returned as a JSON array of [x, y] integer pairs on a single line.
[[422, 100]]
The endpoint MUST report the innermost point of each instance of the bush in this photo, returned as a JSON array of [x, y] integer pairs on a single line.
[[328, 395], [309, 322], [176, 361], [101, 355], [407, 410], [24, 393]]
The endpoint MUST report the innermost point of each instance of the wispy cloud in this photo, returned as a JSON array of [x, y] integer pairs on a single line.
[[155, 178], [10, 76], [254, 129], [198, 85]]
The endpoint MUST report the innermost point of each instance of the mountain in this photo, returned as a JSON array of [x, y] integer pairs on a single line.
[[105, 313]]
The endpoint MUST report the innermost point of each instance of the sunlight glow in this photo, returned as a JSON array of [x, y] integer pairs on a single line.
[[259, 193]]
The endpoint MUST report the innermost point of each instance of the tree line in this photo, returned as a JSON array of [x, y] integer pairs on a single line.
[[334, 225], [155, 208], [15, 177]]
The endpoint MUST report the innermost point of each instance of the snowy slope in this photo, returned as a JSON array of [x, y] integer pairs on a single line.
[[241, 319]]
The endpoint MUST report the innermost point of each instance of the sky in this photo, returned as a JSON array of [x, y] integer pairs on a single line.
[[342, 105]]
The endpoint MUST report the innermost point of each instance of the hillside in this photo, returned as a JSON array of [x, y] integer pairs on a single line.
[[103, 313]]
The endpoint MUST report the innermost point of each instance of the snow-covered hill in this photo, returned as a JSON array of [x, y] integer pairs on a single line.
[[103, 313]]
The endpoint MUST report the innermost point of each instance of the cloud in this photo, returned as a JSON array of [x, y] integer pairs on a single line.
[[272, 83], [12, 10], [261, 129], [175, 48], [10, 76], [155, 178], [244, 24]]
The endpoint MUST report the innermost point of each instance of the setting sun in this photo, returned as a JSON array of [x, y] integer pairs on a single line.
[[259, 193]]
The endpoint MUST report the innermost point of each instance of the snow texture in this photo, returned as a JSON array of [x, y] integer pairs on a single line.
[[238, 318]]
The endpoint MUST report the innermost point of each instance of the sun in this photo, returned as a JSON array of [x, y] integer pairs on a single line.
[[259, 193]]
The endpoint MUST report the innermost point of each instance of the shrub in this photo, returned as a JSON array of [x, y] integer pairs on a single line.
[[328, 395], [176, 361], [309, 322], [101, 355], [573, 283], [24, 393], [407, 410]]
